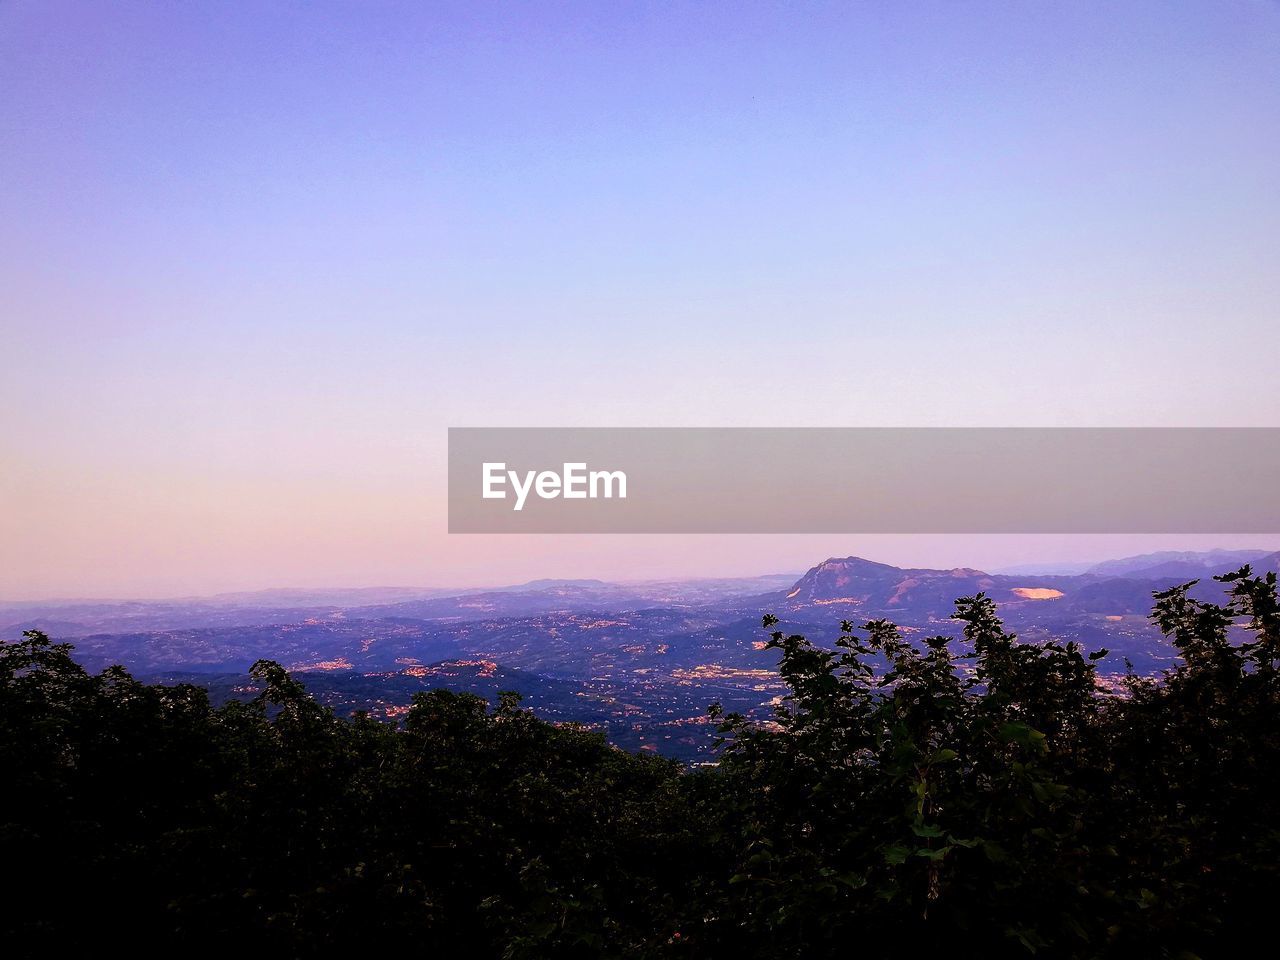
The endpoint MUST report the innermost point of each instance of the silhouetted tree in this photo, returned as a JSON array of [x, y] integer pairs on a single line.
[[974, 797]]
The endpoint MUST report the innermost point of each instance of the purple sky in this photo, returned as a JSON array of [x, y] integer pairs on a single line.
[[255, 258]]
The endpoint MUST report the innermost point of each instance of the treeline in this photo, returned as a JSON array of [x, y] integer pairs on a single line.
[[909, 798]]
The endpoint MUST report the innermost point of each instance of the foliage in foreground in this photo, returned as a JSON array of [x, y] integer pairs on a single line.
[[908, 798]]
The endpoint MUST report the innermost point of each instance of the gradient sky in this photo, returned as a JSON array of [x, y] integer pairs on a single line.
[[256, 257]]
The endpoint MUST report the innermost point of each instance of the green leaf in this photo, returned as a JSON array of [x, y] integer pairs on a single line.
[[932, 854], [1024, 734], [896, 854]]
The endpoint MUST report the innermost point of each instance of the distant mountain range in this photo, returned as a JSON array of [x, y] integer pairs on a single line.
[[1193, 563], [639, 660], [76, 618], [1184, 564]]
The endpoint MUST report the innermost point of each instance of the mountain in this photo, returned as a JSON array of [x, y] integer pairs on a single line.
[[68, 619], [852, 582], [1177, 564]]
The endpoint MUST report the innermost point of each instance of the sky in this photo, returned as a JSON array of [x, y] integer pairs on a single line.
[[255, 259]]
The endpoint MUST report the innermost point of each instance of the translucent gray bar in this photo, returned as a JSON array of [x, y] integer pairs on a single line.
[[872, 480]]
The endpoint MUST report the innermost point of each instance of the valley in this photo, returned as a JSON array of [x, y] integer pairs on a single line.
[[640, 662]]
